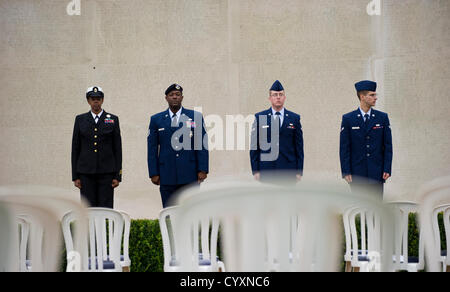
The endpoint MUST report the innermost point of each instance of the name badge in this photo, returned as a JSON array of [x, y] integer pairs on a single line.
[[355, 128], [162, 129], [265, 127]]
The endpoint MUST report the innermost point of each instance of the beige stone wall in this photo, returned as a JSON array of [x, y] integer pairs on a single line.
[[225, 54]]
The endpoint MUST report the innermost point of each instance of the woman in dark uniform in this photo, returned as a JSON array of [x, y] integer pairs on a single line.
[[97, 152]]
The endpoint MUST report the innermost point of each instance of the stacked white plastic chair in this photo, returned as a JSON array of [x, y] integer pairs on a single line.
[[100, 247], [203, 257], [363, 257], [434, 195], [125, 260], [35, 212], [402, 260], [24, 225], [246, 210], [6, 227], [444, 259]]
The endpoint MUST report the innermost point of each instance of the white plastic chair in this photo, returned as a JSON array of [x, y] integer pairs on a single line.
[[204, 257], [348, 238], [432, 195], [437, 234], [247, 210], [402, 260], [447, 238], [102, 252], [36, 245], [6, 228], [125, 260], [366, 257], [24, 233]]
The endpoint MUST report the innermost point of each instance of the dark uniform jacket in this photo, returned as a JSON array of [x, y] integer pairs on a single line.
[[290, 157], [96, 148], [174, 163], [366, 151]]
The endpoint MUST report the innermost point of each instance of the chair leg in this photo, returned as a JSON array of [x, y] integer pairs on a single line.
[[348, 267], [126, 269], [448, 269], [356, 269]]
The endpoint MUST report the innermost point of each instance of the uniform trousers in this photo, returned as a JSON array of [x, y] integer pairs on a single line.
[[169, 192], [97, 190], [375, 188]]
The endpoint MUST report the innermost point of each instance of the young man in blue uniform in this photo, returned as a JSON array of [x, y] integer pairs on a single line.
[[177, 147], [276, 153], [97, 152], [366, 143]]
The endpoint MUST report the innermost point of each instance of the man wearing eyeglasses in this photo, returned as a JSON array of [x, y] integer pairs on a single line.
[[366, 143], [276, 153]]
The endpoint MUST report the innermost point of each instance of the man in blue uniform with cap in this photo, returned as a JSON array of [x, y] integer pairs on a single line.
[[177, 156], [276, 153], [366, 143], [97, 152]]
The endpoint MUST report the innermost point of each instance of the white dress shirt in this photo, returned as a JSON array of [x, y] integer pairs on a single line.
[[281, 116], [94, 116], [178, 114], [363, 113]]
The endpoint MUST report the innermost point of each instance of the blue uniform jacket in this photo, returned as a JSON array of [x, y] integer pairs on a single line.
[[366, 151], [170, 156], [290, 143]]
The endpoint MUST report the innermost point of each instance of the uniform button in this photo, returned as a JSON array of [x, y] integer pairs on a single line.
[[178, 155], [95, 144], [368, 146], [368, 137], [368, 155], [95, 136], [96, 129], [95, 151]]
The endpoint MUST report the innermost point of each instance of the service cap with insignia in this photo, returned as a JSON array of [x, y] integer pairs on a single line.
[[94, 91], [174, 87], [366, 85]]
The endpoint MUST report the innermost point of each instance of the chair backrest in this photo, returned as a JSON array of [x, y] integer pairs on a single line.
[[432, 195], [6, 228], [126, 237], [166, 216], [23, 236], [105, 237], [436, 229], [203, 236], [36, 226], [369, 235], [100, 242], [347, 232], [246, 210], [38, 235], [447, 234], [401, 257]]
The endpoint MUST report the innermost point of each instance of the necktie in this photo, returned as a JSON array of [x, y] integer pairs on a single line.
[[174, 121], [278, 118], [366, 120], [96, 119]]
